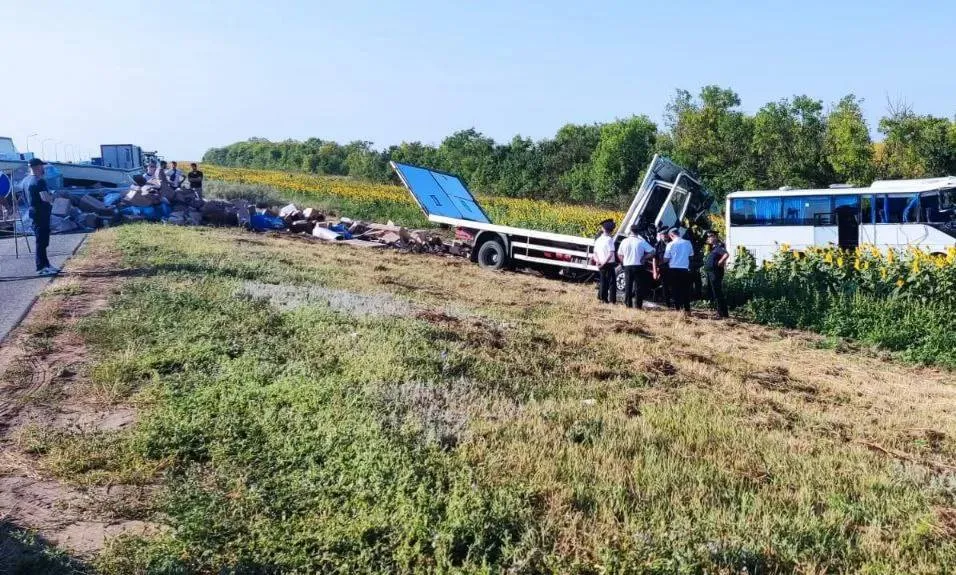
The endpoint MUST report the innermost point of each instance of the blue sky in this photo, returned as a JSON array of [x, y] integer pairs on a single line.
[[181, 76]]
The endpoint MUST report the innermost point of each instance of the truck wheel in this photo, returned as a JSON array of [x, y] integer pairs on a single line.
[[492, 256], [619, 279]]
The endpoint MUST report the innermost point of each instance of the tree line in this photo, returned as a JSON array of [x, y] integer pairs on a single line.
[[791, 142]]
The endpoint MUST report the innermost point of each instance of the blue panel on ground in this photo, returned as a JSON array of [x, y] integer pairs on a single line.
[[441, 194]]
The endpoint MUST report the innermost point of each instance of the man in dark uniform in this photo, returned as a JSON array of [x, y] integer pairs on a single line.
[[663, 268], [714, 267], [41, 208]]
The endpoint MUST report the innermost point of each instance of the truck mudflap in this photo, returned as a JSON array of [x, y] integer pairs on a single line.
[[440, 194]]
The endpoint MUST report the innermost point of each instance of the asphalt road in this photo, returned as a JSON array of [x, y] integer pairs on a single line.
[[19, 284]]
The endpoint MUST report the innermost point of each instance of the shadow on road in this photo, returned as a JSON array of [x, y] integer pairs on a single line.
[[22, 551]]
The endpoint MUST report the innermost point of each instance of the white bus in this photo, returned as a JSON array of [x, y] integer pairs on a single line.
[[888, 214]]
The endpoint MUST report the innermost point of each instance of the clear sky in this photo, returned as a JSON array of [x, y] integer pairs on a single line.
[[182, 76]]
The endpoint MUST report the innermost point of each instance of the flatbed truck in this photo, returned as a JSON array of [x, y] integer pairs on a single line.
[[668, 196]]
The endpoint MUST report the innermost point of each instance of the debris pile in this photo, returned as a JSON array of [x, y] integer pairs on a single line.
[[103, 208]]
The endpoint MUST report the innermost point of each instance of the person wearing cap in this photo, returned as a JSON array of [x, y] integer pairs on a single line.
[[677, 255], [41, 208], [634, 252], [714, 266], [604, 258]]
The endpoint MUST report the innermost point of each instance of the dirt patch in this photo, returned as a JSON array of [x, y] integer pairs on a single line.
[[438, 317], [660, 367], [43, 384], [777, 378], [632, 328]]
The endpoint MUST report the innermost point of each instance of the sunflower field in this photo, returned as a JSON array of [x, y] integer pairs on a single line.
[[381, 202], [903, 301]]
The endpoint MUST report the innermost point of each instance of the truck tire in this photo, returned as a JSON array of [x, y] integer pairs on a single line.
[[492, 255]]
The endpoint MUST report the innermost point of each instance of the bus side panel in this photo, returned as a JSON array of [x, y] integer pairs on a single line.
[[764, 241]]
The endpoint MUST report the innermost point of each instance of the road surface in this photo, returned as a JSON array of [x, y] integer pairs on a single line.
[[19, 284]]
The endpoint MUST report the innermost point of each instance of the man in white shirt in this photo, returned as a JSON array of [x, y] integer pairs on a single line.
[[677, 255], [604, 258], [174, 176], [634, 252]]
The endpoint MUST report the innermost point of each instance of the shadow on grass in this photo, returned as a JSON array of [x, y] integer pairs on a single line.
[[23, 552]]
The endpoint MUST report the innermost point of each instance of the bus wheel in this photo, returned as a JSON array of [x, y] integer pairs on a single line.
[[492, 256]]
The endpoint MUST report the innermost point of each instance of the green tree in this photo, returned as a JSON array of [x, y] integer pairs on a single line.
[[916, 146], [416, 154], [566, 162], [623, 151], [849, 149], [470, 155], [788, 144], [712, 137], [365, 163], [518, 168]]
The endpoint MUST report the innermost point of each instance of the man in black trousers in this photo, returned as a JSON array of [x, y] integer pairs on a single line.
[[714, 267], [41, 208], [677, 256], [606, 260]]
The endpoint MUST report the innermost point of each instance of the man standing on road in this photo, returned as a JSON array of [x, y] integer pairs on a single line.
[[41, 208], [605, 260], [714, 267], [634, 252], [195, 177], [677, 256]]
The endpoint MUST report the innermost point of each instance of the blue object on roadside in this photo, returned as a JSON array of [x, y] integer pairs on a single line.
[[341, 229], [263, 222], [164, 210], [150, 213], [131, 211], [109, 199]]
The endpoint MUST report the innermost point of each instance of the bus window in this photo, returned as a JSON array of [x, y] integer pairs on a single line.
[[754, 211], [929, 208], [897, 208], [840, 201], [803, 210], [866, 210]]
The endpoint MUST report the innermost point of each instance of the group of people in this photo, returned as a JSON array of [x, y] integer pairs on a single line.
[[167, 177], [162, 176], [670, 262]]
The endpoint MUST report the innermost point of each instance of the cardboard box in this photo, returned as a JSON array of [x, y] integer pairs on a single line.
[[90, 204], [313, 215], [302, 227], [61, 206]]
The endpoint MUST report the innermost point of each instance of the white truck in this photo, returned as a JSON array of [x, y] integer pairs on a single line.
[[668, 196]]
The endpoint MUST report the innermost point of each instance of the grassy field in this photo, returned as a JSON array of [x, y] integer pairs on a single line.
[[317, 408], [380, 203]]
